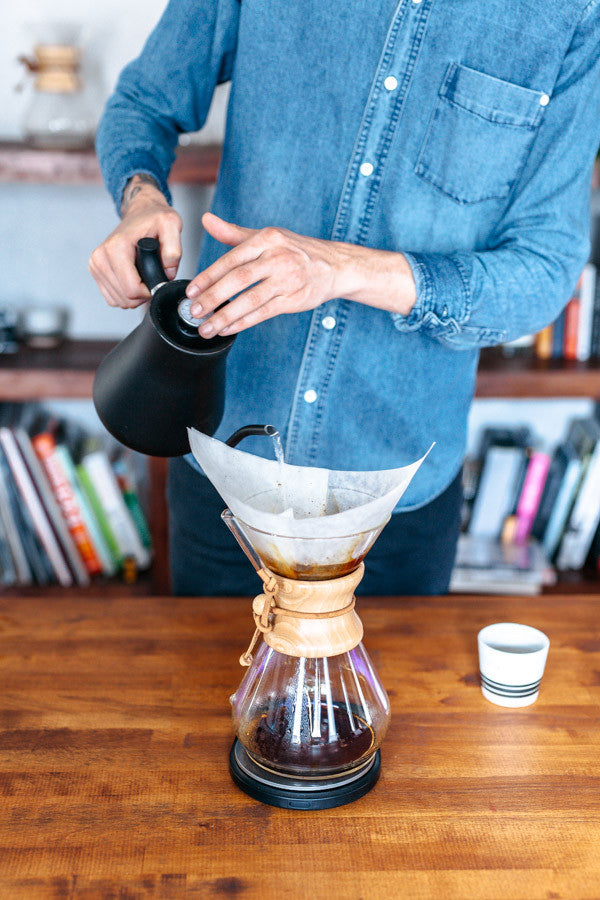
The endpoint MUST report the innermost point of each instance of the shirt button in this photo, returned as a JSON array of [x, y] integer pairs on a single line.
[[390, 83], [445, 312], [544, 100], [328, 323], [366, 169], [310, 396]]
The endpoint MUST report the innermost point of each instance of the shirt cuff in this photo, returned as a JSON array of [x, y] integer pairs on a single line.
[[443, 301], [122, 168]]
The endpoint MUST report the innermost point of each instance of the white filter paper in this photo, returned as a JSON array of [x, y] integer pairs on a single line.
[[300, 501]]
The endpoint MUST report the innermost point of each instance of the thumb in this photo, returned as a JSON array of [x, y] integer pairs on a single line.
[[170, 245], [226, 232]]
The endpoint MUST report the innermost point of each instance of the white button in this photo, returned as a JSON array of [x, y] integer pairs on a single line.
[[445, 312], [416, 1], [366, 169], [544, 100], [310, 396], [390, 83], [328, 323]]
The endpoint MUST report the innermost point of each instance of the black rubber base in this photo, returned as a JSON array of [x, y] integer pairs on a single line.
[[288, 792]]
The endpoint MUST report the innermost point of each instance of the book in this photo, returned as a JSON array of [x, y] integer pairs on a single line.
[[51, 508], [558, 333], [39, 567], [92, 498], [587, 290], [34, 505], [595, 348], [132, 501], [64, 490], [101, 548], [543, 343], [11, 528], [494, 501], [585, 515], [554, 477], [485, 565], [571, 328], [579, 443], [530, 496], [8, 573], [104, 483]]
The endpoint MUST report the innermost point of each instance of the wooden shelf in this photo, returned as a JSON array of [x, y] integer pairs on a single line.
[[65, 372], [22, 163], [523, 375], [68, 371]]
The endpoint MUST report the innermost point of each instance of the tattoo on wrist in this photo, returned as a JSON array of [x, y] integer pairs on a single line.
[[133, 187]]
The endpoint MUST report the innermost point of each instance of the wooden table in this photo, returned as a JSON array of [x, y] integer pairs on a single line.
[[116, 729]]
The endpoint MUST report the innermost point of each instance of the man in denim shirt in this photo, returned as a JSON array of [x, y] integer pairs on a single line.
[[402, 183]]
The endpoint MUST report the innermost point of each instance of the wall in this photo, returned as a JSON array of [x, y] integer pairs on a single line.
[[47, 232]]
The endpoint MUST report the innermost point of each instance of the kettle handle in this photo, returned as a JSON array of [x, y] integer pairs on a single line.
[[148, 263]]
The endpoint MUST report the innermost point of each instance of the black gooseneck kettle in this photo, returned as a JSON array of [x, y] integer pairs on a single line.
[[163, 377]]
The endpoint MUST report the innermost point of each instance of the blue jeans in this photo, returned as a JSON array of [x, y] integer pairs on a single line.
[[413, 555]]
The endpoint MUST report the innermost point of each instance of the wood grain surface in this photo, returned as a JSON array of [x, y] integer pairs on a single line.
[[115, 730]]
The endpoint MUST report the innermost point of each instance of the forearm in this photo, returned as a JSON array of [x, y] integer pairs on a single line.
[[378, 278]]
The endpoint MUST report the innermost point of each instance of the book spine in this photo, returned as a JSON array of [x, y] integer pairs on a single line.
[[584, 518], [23, 569], [586, 312], [543, 343], [529, 501], [571, 329], [99, 470], [99, 544], [30, 497], [8, 573], [46, 450], [595, 349], [561, 508], [558, 334], [51, 508], [98, 510]]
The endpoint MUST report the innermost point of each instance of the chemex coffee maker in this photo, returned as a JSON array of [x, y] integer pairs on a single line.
[[310, 713]]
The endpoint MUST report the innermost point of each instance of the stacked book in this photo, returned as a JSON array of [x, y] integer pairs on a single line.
[[517, 496], [576, 332], [67, 511]]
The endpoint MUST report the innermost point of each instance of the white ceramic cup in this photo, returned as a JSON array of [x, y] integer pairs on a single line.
[[511, 662]]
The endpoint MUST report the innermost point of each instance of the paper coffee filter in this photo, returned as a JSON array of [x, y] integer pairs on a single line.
[[300, 501]]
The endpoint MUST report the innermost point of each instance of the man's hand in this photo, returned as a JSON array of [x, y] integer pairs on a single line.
[[273, 271], [145, 213]]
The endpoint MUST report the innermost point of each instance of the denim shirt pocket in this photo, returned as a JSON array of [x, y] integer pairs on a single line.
[[479, 135]]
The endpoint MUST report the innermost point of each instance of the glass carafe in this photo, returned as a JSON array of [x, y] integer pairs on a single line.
[[310, 705]]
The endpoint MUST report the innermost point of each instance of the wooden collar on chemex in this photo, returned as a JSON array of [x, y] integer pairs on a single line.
[[306, 618]]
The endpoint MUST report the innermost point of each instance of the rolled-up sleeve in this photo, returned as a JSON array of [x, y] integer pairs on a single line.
[[524, 277]]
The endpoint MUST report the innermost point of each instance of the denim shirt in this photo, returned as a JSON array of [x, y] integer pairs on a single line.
[[459, 132]]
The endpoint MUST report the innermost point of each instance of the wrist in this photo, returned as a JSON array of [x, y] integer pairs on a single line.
[[379, 278], [141, 190]]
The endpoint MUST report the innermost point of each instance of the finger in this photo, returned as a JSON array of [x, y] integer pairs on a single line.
[[122, 262], [226, 232], [100, 269], [270, 309], [245, 253], [104, 287], [235, 281], [169, 236], [242, 306], [112, 275]]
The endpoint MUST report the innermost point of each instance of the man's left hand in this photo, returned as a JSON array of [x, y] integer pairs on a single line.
[[272, 271]]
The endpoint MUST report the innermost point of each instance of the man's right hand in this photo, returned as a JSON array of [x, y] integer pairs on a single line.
[[145, 213]]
